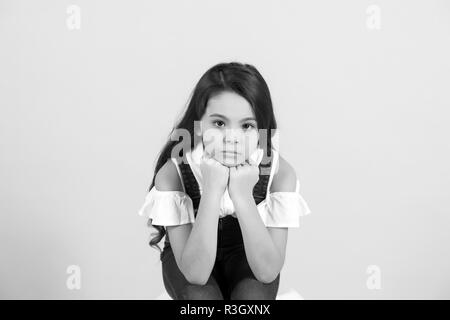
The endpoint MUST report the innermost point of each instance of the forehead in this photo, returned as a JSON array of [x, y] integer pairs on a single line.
[[229, 104]]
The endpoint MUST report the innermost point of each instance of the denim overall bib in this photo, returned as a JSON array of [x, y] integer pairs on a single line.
[[229, 239]]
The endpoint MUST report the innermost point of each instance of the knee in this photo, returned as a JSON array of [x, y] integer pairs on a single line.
[[201, 292], [252, 289]]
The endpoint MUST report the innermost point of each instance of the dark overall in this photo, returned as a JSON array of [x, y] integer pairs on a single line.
[[231, 277]]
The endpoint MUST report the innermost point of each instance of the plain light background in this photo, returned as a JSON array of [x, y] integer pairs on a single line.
[[363, 116]]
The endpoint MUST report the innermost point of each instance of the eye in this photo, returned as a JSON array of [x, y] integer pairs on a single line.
[[219, 123], [248, 126]]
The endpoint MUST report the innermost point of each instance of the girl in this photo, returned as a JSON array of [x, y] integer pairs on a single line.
[[226, 199]]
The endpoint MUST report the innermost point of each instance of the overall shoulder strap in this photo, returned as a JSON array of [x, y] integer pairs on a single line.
[[260, 189], [190, 184]]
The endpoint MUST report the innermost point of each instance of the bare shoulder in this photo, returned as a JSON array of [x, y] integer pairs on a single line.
[[167, 178], [285, 178]]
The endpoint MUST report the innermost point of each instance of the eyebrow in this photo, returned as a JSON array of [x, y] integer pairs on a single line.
[[222, 116]]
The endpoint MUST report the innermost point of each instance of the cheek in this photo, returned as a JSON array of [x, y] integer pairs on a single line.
[[212, 140], [251, 142], [253, 139]]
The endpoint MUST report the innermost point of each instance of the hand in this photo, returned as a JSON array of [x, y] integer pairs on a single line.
[[214, 175], [242, 180]]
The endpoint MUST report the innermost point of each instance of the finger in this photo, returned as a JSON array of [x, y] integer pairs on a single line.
[[244, 164], [206, 154], [208, 160], [251, 161]]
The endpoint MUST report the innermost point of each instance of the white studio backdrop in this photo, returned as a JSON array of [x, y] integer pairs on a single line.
[[89, 91]]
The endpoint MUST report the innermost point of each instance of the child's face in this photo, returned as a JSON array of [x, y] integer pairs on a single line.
[[229, 124]]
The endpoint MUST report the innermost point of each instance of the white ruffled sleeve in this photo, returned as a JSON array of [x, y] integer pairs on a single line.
[[168, 208], [283, 209]]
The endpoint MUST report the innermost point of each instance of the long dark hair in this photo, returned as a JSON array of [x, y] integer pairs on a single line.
[[242, 79]]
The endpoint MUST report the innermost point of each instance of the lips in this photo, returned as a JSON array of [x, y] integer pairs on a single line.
[[230, 152]]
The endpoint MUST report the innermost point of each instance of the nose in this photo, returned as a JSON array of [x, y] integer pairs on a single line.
[[231, 136]]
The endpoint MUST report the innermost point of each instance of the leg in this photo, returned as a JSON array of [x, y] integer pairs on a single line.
[[244, 285], [252, 289], [209, 291], [179, 288]]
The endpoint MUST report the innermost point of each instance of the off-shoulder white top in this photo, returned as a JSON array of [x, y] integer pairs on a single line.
[[170, 208]]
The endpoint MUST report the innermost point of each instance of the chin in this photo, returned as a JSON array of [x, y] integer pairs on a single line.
[[230, 162]]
